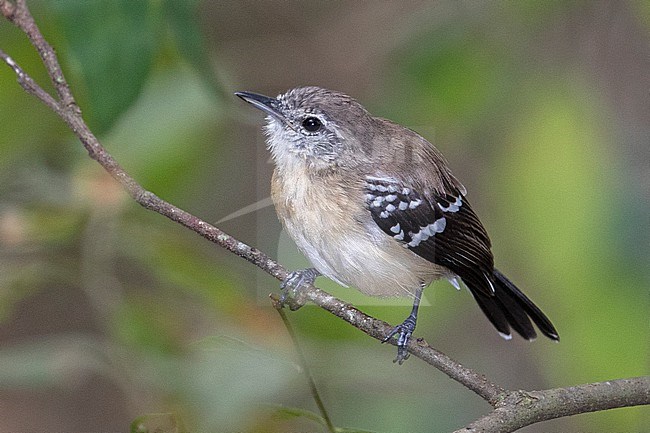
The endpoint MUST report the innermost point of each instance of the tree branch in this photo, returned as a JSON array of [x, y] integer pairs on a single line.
[[67, 110], [19, 15], [521, 408], [513, 409]]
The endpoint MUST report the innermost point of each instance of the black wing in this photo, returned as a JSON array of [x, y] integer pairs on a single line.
[[441, 228]]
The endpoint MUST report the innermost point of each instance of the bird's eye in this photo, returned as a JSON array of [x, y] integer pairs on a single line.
[[311, 124]]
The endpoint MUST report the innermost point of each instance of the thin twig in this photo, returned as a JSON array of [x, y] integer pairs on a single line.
[[379, 329], [27, 83], [22, 18], [303, 364]]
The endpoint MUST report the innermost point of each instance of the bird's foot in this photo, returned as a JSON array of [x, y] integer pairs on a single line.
[[403, 332], [292, 294]]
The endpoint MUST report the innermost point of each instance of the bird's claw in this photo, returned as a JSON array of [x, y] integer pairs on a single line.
[[405, 330], [291, 288]]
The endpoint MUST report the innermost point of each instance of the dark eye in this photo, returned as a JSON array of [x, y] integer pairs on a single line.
[[311, 124]]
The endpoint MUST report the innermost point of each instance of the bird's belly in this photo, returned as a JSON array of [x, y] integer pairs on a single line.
[[358, 255]]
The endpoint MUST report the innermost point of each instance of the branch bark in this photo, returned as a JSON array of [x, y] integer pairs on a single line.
[[521, 408], [513, 409], [66, 108]]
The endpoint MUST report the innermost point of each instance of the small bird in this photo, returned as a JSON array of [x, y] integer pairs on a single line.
[[373, 205]]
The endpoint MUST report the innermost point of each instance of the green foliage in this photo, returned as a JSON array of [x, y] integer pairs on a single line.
[[455, 78], [188, 38], [169, 128], [113, 61]]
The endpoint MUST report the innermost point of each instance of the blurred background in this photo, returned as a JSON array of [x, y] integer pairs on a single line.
[[110, 313]]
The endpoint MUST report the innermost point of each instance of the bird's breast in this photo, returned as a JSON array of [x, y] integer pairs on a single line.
[[329, 223]]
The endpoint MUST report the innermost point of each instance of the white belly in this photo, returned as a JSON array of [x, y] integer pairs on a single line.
[[349, 247]]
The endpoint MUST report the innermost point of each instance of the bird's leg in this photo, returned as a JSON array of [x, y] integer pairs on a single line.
[[292, 287], [405, 329]]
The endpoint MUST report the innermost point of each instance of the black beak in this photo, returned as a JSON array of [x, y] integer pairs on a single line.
[[270, 106]]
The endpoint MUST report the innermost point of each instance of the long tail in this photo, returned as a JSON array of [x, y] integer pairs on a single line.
[[510, 308]]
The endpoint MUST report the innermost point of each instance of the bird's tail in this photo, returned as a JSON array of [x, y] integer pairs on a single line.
[[510, 308]]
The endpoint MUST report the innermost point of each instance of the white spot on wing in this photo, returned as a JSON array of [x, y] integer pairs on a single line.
[[505, 336], [403, 205], [439, 225], [390, 208], [416, 238], [396, 228], [414, 203], [453, 207], [426, 232]]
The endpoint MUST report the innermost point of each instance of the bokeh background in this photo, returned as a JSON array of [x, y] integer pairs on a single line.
[[110, 313]]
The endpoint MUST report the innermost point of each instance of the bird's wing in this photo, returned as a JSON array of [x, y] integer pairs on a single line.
[[438, 226]]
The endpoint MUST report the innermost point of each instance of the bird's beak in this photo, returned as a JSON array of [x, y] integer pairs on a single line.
[[270, 106]]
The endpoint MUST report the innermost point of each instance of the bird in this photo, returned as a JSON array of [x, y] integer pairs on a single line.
[[374, 206]]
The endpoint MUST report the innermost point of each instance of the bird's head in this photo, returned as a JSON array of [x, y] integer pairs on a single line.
[[317, 127]]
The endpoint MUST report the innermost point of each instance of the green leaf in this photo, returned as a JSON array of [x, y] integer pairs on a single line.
[[186, 33], [286, 413], [166, 131], [111, 45]]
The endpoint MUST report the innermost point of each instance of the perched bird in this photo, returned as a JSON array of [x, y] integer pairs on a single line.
[[374, 206]]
